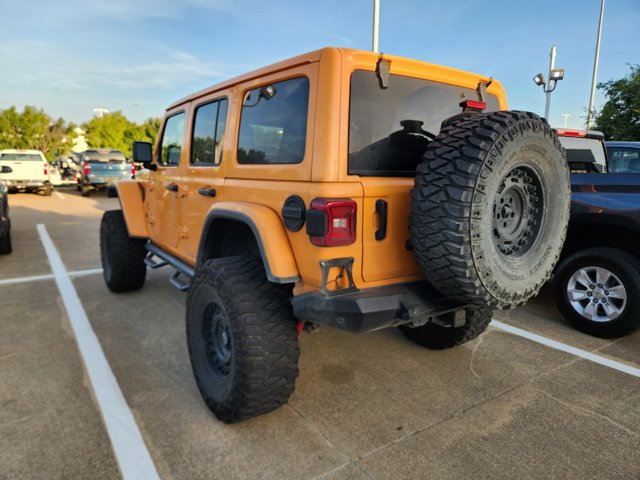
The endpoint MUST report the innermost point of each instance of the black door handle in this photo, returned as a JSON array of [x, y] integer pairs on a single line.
[[207, 192], [172, 187], [381, 210]]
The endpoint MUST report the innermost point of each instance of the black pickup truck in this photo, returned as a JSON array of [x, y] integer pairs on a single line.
[[597, 282]]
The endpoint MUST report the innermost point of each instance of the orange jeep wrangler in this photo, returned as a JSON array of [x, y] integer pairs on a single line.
[[343, 188]]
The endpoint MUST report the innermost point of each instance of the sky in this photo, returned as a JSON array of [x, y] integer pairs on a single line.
[[138, 56]]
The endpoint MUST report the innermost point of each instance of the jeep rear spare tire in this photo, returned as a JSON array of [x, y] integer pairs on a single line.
[[490, 208]]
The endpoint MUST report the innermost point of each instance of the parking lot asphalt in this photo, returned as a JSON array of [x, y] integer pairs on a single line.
[[373, 406]]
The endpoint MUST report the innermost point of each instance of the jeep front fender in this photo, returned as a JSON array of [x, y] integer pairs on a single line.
[[131, 199], [270, 235]]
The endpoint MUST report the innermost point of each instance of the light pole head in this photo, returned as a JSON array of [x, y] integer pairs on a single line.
[[557, 73], [539, 79]]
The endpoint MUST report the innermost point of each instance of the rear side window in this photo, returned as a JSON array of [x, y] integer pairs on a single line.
[[389, 129], [624, 160], [208, 130], [273, 125], [171, 145]]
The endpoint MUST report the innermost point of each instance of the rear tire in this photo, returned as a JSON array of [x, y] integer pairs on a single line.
[[123, 264], [85, 190], [437, 337], [490, 208], [112, 192], [5, 244], [619, 274], [47, 190], [242, 338]]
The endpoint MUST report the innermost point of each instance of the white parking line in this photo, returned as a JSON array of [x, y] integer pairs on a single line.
[[130, 450], [592, 357], [49, 276], [59, 195]]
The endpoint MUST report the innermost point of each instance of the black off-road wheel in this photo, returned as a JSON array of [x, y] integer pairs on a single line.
[[112, 192], [242, 338], [47, 190], [490, 208], [5, 244], [123, 264], [85, 190], [598, 291], [437, 337]]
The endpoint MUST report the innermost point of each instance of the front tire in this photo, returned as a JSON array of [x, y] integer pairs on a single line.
[[598, 291], [122, 257], [490, 208], [242, 338], [437, 337]]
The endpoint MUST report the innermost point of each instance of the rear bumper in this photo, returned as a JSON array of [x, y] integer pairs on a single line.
[[104, 181], [376, 308], [26, 183]]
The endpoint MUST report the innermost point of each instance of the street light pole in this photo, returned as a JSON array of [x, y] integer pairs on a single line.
[[376, 21], [552, 63], [595, 70]]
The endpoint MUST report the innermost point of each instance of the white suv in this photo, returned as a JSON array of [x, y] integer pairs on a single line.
[[30, 170]]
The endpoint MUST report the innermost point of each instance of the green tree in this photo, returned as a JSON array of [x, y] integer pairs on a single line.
[[34, 129], [619, 118], [114, 130]]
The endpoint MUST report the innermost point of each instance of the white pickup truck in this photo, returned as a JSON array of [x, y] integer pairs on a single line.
[[30, 171]]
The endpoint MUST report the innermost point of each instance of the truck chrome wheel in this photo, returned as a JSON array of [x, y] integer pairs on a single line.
[[597, 294], [598, 291]]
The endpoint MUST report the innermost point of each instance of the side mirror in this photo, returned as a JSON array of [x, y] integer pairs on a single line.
[[143, 153], [6, 169]]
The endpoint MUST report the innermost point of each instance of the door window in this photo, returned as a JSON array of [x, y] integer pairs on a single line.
[[171, 145], [208, 130]]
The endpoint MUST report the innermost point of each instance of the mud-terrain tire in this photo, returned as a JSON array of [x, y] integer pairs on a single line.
[[437, 337], [85, 190], [598, 291], [490, 207], [242, 338], [5, 244], [112, 192], [122, 257], [47, 190]]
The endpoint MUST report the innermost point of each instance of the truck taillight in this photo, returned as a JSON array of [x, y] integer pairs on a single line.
[[86, 168], [133, 171], [332, 221], [46, 172]]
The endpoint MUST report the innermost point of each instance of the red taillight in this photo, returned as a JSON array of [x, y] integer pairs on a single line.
[[473, 104], [46, 172], [133, 171], [563, 132], [335, 221], [86, 168]]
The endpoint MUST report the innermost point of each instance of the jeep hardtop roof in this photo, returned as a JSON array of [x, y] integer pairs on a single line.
[[439, 72]]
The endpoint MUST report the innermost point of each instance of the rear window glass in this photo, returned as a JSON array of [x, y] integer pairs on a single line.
[[273, 126], [21, 157], [93, 156], [624, 160], [585, 154], [389, 128]]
